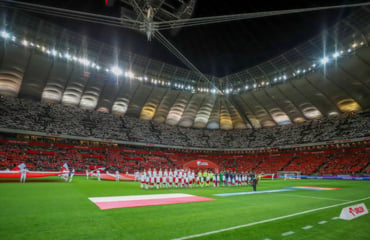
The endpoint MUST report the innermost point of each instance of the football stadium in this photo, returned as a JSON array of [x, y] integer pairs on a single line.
[[184, 119]]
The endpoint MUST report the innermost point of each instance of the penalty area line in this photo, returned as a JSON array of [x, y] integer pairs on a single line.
[[268, 220]]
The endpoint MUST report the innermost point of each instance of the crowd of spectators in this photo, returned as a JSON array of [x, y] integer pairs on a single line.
[[52, 158], [46, 157], [25, 114]]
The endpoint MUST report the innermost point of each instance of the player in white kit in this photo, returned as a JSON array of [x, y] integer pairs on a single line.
[[23, 175]]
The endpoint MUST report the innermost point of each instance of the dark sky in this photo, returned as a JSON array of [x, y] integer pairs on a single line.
[[216, 49]]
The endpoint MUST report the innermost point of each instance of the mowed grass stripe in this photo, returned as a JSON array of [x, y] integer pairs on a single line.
[[271, 220]]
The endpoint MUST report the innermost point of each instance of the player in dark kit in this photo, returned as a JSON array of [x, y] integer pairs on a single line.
[[254, 182], [226, 176]]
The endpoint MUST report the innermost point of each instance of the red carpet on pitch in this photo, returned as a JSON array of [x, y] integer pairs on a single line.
[[145, 200]]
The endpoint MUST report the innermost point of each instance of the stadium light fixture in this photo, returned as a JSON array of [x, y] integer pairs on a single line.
[[5, 34], [336, 54], [54, 52], [84, 61], [116, 71], [67, 56], [324, 60], [130, 74], [25, 43]]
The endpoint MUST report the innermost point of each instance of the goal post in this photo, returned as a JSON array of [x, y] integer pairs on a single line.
[[289, 175], [269, 176]]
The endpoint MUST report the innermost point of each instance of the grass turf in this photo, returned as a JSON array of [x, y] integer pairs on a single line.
[[52, 209]]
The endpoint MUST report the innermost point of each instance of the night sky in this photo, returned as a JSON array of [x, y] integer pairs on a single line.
[[216, 49]]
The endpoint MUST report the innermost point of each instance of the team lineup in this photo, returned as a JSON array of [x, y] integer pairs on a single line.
[[180, 178]]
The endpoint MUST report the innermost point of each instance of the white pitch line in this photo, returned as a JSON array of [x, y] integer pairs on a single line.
[[268, 220], [334, 218], [307, 227], [322, 222], [287, 233], [320, 198]]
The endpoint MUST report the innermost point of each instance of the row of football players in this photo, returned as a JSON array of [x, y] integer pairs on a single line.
[[180, 178]]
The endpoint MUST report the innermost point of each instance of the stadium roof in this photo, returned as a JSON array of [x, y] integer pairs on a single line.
[[216, 49], [274, 70]]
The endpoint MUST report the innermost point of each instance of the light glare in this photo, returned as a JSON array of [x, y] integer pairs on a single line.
[[324, 60], [116, 71]]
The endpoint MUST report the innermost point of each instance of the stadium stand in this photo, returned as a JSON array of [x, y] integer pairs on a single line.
[[306, 164], [68, 120], [49, 153]]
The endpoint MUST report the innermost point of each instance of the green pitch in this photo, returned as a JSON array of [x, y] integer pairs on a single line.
[[52, 209]]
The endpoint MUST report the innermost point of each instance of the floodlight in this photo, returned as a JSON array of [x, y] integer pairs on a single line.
[[129, 74], [324, 60], [25, 42], [116, 71], [67, 56], [5, 34]]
